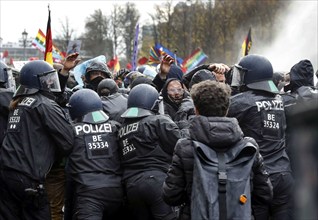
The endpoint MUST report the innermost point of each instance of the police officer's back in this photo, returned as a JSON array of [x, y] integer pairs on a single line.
[[37, 131], [147, 141], [260, 112], [94, 165]]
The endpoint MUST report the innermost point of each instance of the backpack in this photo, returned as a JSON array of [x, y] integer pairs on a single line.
[[221, 182]]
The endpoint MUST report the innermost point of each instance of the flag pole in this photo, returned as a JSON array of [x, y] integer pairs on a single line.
[[175, 57]]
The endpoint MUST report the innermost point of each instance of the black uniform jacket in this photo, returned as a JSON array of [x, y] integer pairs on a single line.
[[94, 162], [261, 116], [147, 144], [37, 131]]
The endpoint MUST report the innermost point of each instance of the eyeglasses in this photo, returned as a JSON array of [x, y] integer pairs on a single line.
[[219, 73], [175, 91]]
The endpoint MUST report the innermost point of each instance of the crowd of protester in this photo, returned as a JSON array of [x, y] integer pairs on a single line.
[[121, 147]]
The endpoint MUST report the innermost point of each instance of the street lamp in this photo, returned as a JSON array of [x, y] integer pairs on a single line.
[[24, 38]]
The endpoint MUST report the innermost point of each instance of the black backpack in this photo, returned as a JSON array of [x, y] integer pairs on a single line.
[[221, 182]]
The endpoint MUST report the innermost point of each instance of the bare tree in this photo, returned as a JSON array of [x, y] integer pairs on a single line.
[[116, 31], [62, 40], [96, 39], [128, 21]]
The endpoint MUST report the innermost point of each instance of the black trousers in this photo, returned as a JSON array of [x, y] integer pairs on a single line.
[[144, 197], [281, 207], [17, 203], [93, 204]]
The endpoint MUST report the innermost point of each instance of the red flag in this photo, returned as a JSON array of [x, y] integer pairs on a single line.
[[48, 56], [129, 66], [5, 54], [111, 63], [11, 61], [142, 61]]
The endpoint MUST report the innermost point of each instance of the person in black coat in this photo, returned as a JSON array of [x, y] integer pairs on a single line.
[[176, 100], [211, 127], [114, 102], [299, 92]]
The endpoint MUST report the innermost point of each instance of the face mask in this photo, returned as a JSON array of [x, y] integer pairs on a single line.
[[176, 99], [94, 83]]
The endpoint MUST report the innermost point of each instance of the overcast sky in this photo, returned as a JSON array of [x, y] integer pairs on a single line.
[[295, 41], [15, 16]]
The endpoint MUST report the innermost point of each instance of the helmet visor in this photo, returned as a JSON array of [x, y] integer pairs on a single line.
[[50, 81], [158, 106], [238, 76], [11, 81]]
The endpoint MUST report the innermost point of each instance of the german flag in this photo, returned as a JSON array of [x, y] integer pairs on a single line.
[[247, 44], [48, 56]]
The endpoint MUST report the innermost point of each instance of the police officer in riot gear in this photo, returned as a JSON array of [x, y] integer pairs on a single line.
[[7, 87], [37, 131], [94, 164], [259, 110], [147, 141], [95, 73], [114, 103]]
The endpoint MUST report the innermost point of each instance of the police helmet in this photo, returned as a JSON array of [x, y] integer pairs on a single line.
[[97, 66], [255, 72], [143, 100], [85, 105], [131, 76], [107, 87], [38, 75]]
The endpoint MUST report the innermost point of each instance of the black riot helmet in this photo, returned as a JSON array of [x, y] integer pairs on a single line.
[[143, 100], [38, 75], [6, 77], [107, 87], [85, 105], [97, 66], [255, 72]]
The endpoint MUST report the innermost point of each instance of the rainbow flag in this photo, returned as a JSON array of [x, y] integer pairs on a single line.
[[159, 51], [196, 58], [39, 43], [154, 56]]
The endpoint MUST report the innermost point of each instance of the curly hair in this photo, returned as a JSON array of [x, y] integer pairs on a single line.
[[211, 98]]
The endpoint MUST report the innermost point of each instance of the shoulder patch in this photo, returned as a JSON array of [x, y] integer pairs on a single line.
[[27, 101]]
